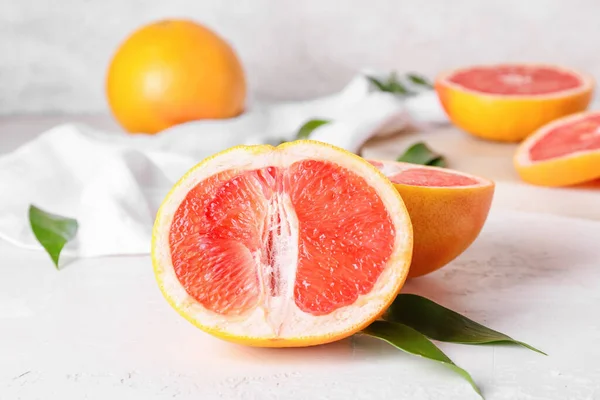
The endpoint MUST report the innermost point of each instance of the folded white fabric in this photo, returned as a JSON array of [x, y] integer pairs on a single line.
[[113, 183]]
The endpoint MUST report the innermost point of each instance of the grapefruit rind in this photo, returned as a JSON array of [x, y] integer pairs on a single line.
[[509, 118], [300, 329], [574, 168]]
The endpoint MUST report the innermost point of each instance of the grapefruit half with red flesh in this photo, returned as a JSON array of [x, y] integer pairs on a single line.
[[564, 152], [508, 102], [297, 245], [447, 208]]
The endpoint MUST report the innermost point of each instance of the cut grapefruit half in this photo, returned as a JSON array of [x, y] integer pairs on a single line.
[[562, 153], [447, 208], [508, 102], [297, 245]]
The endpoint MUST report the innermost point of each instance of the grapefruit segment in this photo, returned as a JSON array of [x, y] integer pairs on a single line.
[[562, 153], [508, 102], [447, 208], [214, 236], [290, 246], [341, 253]]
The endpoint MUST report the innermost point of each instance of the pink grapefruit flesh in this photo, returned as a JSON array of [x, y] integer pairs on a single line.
[[516, 80], [420, 175], [581, 135], [563, 153], [227, 220]]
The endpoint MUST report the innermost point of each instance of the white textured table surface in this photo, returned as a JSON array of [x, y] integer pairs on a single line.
[[100, 329]]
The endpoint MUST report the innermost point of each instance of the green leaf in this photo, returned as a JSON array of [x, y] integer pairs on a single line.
[[440, 323], [438, 162], [410, 341], [395, 86], [419, 80], [398, 88], [306, 129], [391, 85], [380, 85], [52, 231], [419, 153]]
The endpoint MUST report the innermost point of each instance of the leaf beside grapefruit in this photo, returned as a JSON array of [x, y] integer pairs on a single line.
[[562, 153], [297, 245], [508, 102], [447, 208]]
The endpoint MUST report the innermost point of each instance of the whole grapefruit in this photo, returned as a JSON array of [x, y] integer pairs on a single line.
[[174, 71]]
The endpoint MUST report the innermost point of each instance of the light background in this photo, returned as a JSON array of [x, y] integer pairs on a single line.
[[53, 54]]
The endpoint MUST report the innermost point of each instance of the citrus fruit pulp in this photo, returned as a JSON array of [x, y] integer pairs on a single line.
[[173, 71], [297, 245], [447, 208], [508, 102], [564, 152]]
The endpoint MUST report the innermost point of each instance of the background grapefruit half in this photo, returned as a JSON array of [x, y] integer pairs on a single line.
[[564, 152], [297, 245], [508, 102], [447, 208]]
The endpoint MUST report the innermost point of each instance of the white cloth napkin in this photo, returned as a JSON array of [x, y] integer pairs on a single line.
[[113, 183]]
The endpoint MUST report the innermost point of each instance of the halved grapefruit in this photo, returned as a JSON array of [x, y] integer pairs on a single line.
[[447, 208], [508, 102], [564, 152], [297, 245]]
